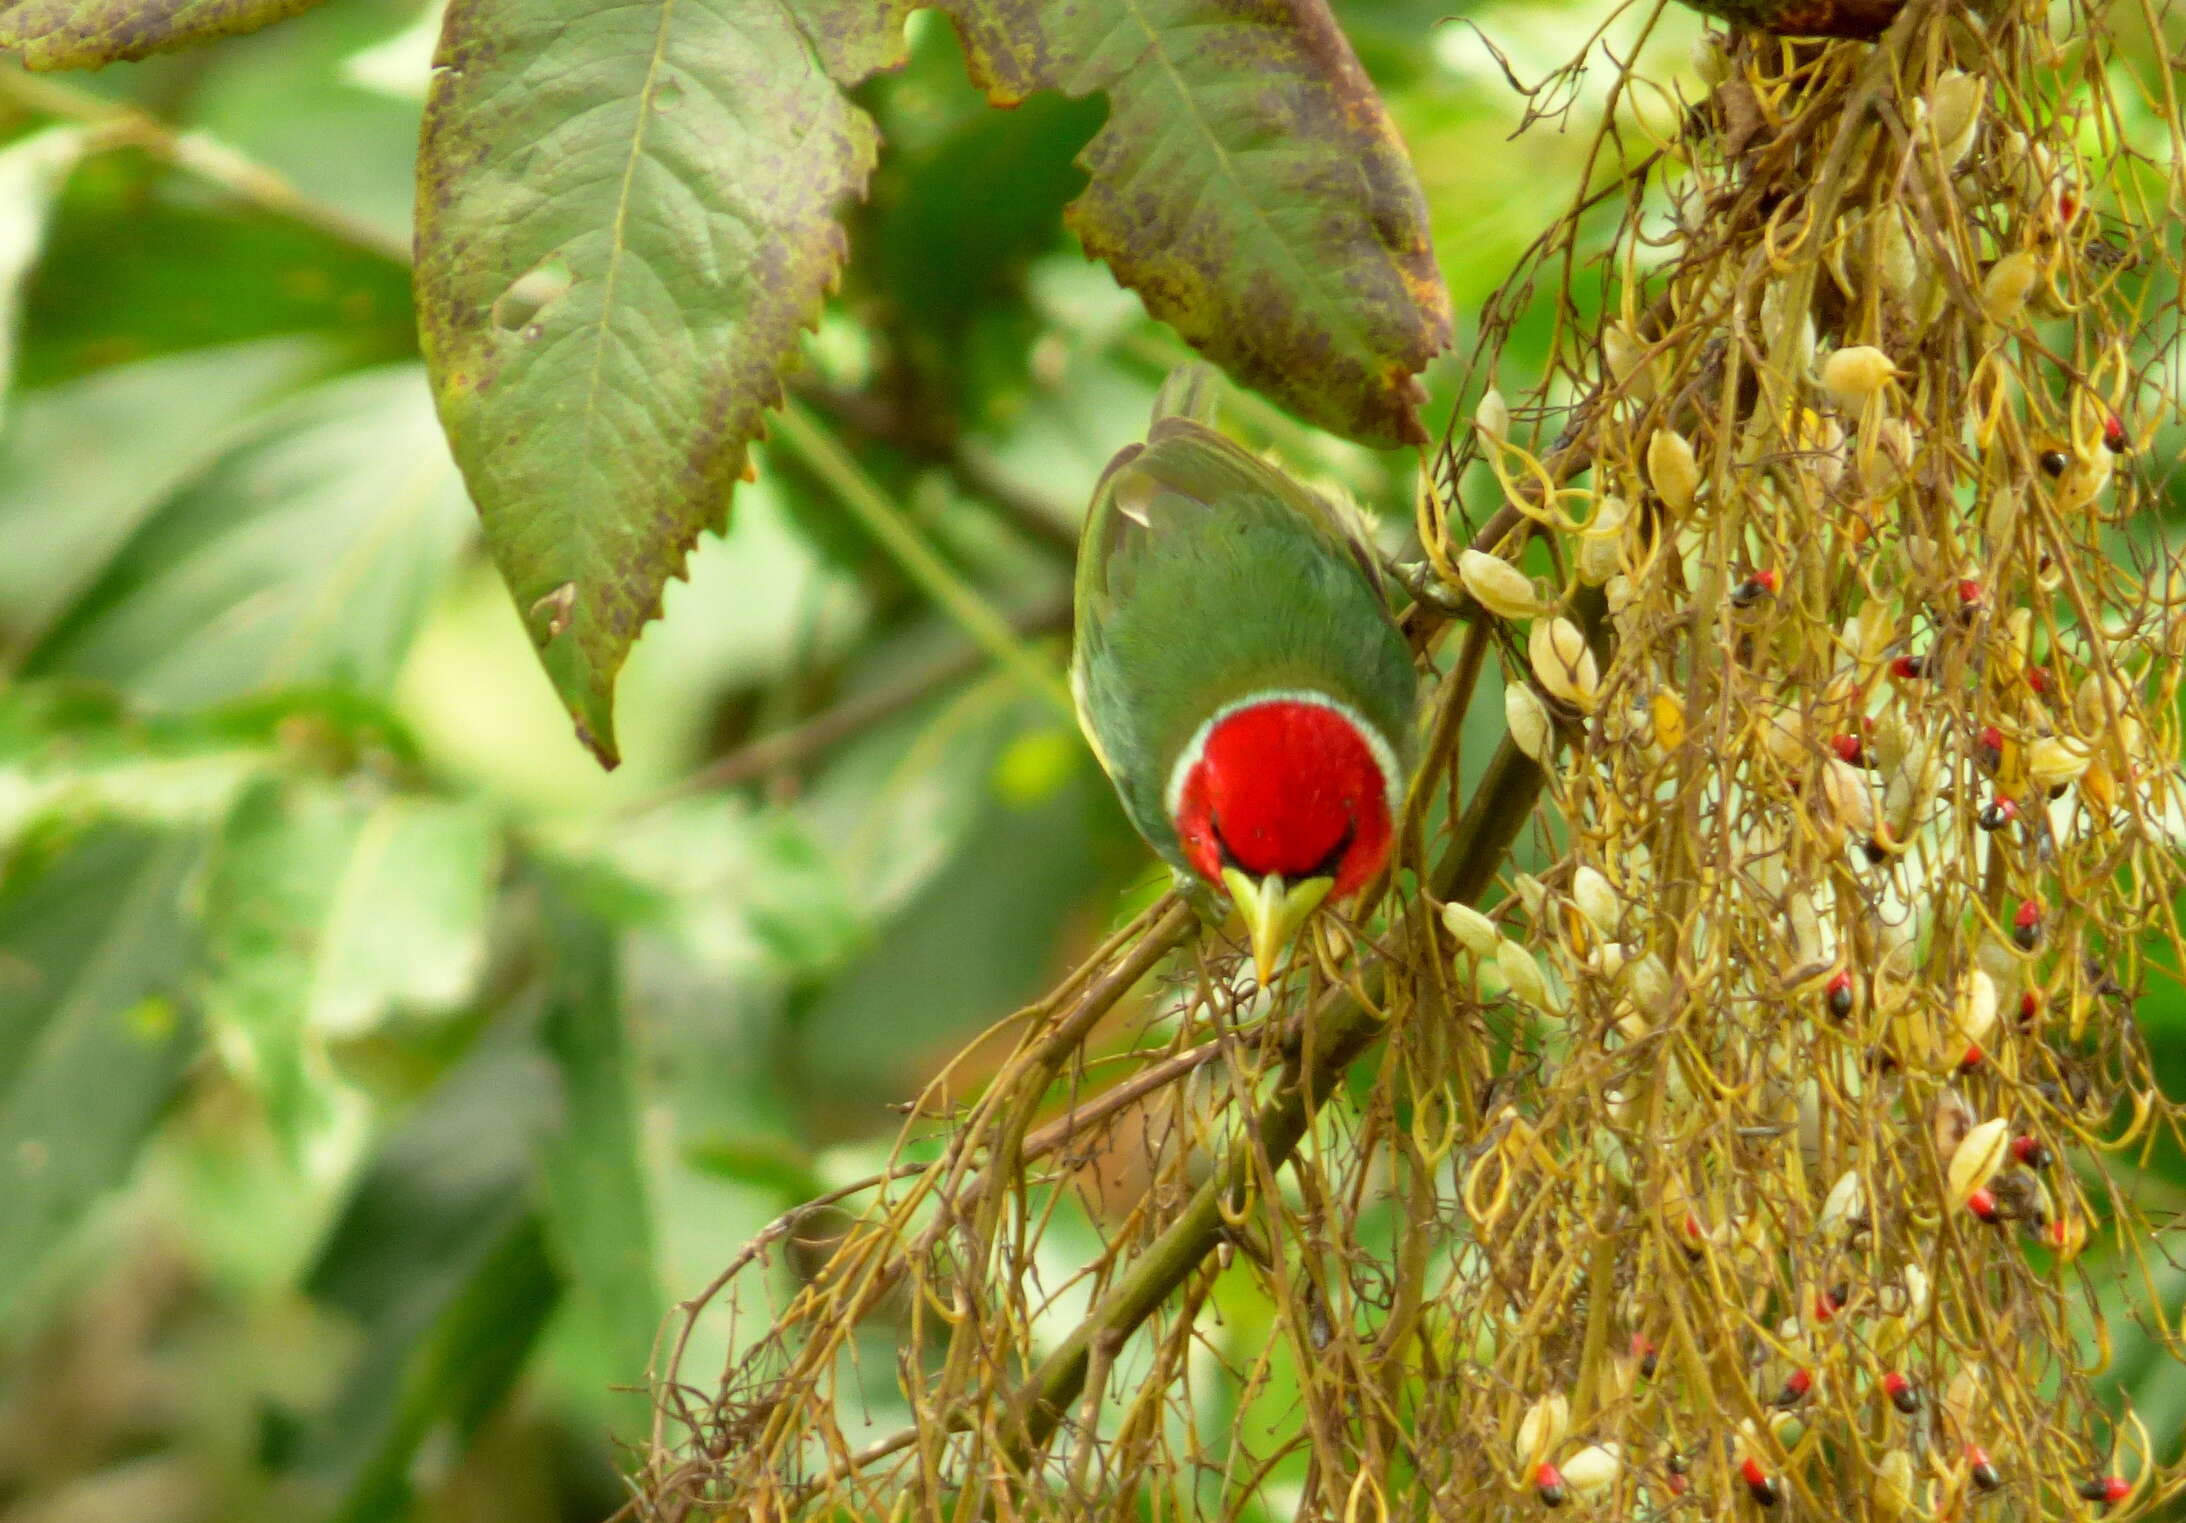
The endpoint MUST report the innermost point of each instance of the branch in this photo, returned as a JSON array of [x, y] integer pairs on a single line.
[[851, 717], [208, 159]]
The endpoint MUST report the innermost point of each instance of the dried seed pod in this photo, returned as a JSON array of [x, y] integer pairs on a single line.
[[1954, 112], [1672, 469], [1975, 1010], [1542, 1428], [1491, 415], [2005, 289], [1851, 804], [1526, 717], [1625, 357], [1893, 250], [1597, 900], [1498, 586], [1978, 1157], [1473, 931], [2055, 761], [1893, 1491], [1522, 974], [1563, 663], [1846, 1204], [1593, 1468], [1667, 715], [1601, 542], [1851, 376]]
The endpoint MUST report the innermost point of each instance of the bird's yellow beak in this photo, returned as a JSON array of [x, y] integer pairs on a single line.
[[1273, 911]]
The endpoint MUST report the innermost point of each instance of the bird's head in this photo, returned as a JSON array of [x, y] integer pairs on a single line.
[[1285, 800]]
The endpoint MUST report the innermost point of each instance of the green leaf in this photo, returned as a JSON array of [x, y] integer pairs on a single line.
[[136, 267], [83, 464], [1249, 185], [599, 1215], [625, 215], [32, 171], [442, 1263], [86, 34], [92, 1032], [406, 929], [267, 894], [325, 913], [306, 555]]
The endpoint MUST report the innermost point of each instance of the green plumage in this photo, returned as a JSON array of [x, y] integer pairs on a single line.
[[1205, 575]]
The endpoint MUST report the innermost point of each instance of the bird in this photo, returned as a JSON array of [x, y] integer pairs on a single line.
[[1239, 675]]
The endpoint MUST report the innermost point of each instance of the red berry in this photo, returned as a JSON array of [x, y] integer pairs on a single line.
[[1839, 994], [2038, 679], [2030, 1006], [2105, 1489], [1903, 1394], [1969, 1060], [1644, 1352], [1753, 589], [1909, 667], [1548, 1485], [1969, 594], [2031, 1151], [1796, 1386], [1997, 813], [2026, 924], [1827, 1303], [1984, 1474], [2054, 461], [1759, 1483], [1982, 1203], [1988, 747], [1849, 750], [2114, 438]]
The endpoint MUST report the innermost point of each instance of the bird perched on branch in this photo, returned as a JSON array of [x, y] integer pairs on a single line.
[[1238, 673]]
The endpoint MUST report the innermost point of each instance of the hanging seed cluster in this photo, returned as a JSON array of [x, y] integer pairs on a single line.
[[1734, 1107], [1856, 681]]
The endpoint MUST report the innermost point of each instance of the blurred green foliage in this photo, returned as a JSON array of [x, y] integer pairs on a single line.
[[374, 1071]]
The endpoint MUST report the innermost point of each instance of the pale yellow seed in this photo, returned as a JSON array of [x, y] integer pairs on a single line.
[[1473, 931], [1853, 375], [2009, 281], [1978, 1157], [1597, 900], [1593, 1468], [1954, 112], [1498, 586], [1894, 1485], [1672, 469], [1527, 719], [1563, 663], [2055, 760], [1542, 1428], [1492, 416]]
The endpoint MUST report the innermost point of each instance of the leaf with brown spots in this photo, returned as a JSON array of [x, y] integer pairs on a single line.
[[626, 214], [86, 34], [1248, 185]]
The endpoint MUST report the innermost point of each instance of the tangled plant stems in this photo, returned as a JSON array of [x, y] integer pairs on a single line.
[[1756, 1151]]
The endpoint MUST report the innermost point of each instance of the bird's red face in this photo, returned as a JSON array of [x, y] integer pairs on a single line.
[[1292, 787]]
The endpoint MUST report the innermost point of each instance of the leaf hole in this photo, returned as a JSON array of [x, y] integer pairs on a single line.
[[530, 294]]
